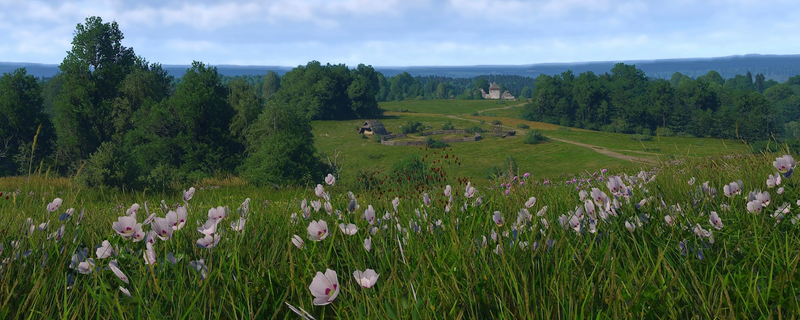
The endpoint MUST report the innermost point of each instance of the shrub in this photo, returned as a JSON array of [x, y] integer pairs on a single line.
[[376, 138], [523, 126], [411, 127], [665, 132], [474, 129], [448, 126], [534, 137], [433, 143], [641, 137]]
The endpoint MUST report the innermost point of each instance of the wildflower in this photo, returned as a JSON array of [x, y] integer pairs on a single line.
[[328, 207], [187, 195], [316, 205], [367, 278], [325, 287], [149, 254], [780, 190], [349, 229], [630, 226], [469, 192], [369, 215], [238, 225], [149, 218], [216, 213], [114, 266], [319, 190], [67, 214], [105, 250], [715, 220], [395, 203], [691, 181], [542, 211], [368, 244], [523, 216], [498, 250], [180, 218], [298, 242], [785, 165], [330, 180], [209, 228], [132, 210], [208, 241], [426, 199], [669, 220], [127, 227], [732, 189], [773, 181], [125, 291], [498, 218], [53, 206], [200, 267], [317, 230], [582, 195], [163, 228], [172, 259], [447, 191], [531, 201], [754, 206]]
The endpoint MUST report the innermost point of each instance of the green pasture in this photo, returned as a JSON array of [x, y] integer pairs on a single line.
[[445, 107]]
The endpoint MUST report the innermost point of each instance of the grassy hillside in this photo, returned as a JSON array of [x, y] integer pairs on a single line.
[[546, 160]]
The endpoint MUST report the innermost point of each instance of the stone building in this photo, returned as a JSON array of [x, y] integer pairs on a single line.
[[494, 93]]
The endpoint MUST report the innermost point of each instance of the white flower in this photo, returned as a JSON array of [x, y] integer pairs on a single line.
[[426, 199], [447, 191], [127, 227], [163, 228], [368, 244], [132, 210], [369, 215], [396, 202], [86, 266], [114, 266], [216, 213], [105, 250], [531, 201], [53, 206], [238, 225], [208, 242], [469, 192], [498, 218], [125, 291], [324, 287], [366, 279], [328, 207], [297, 241], [149, 254], [349, 229], [319, 190], [209, 228], [187, 195], [317, 230], [330, 180], [715, 220], [630, 226]]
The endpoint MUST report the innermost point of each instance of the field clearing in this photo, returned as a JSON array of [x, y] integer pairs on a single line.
[[445, 107]]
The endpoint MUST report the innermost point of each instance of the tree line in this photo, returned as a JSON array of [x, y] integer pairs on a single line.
[[112, 118], [624, 100]]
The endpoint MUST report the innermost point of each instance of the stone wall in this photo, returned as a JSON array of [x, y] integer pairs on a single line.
[[422, 143], [430, 133]]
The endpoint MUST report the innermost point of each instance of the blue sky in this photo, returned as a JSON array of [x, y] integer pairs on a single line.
[[409, 32]]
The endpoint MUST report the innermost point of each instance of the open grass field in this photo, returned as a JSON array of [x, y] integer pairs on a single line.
[[665, 248], [547, 160]]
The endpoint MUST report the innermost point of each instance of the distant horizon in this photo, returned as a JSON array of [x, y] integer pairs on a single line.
[[455, 66]]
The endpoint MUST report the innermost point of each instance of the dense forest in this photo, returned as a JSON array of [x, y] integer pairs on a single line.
[[111, 118], [625, 100]]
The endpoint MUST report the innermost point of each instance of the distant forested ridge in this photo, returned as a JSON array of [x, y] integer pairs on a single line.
[[624, 100], [774, 67]]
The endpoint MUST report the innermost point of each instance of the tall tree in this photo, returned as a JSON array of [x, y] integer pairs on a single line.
[[21, 116], [272, 82], [93, 71], [242, 97]]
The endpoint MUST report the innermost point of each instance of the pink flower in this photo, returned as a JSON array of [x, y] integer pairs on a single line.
[[324, 287]]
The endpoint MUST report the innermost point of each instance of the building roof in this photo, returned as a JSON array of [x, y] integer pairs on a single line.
[[494, 86], [376, 126]]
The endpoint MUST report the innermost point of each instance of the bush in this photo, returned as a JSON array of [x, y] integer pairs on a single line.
[[523, 126], [376, 138], [534, 137], [665, 132], [474, 129], [436, 144], [641, 137], [411, 127], [448, 126]]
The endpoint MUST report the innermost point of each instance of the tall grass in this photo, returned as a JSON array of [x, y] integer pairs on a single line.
[[428, 269]]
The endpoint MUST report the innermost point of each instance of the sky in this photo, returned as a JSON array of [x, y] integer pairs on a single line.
[[408, 32]]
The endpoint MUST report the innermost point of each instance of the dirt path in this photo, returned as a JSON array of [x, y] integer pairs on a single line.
[[503, 108], [605, 151], [601, 150]]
